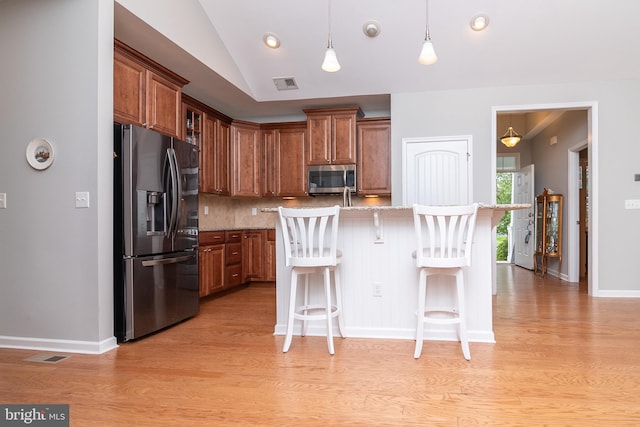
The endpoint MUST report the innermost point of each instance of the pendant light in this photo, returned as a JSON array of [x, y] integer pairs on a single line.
[[511, 137], [427, 54], [330, 63]]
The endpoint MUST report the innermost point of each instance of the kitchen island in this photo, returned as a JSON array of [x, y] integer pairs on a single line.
[[380, 279]]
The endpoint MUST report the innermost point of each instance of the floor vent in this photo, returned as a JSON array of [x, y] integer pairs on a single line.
[[285, 83], [46, 358]]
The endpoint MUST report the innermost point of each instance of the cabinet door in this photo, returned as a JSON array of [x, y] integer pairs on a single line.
[[343, 138], [208, 156], [374, 158], [245, 161], [163, 105], [290, 168], [212, 269], [129, 80], [270, 256], [269, 162], [252, 255], [318, 139], [221, 163]]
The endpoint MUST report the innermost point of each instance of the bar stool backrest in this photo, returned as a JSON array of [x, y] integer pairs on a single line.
[[310, 236], [444, 235]]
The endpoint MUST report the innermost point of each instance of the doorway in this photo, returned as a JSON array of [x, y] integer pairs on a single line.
[[573, 212]]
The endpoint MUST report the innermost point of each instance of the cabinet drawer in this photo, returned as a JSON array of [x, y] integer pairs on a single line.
[[211, 237], [233, 275], [233, 253], [233, 236]]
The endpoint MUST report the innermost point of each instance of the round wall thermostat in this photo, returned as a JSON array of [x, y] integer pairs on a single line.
[[40, 153]]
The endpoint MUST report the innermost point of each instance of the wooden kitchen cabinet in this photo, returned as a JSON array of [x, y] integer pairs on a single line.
[[253, 254], [374, 157], [233, 258], [331, 135], [270, 256], [193, 120], [283, 164], [211, 262], [212, 130], [145, 93], [245, 159]]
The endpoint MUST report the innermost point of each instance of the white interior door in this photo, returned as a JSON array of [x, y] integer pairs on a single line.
[[522, 219], [436, 171]]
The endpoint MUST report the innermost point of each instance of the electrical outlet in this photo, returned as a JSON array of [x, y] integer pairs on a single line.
[[206, 210], [254, 211], [3, 200], [377, 289], [82, 199]]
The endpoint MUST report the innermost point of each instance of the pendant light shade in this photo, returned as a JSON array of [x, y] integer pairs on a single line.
[[511, 137], [330, 63], [428, 53]]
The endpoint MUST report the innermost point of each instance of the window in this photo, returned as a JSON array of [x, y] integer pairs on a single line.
[[507, 162]]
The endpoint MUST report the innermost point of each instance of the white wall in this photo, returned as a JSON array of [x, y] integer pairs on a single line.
[[455, 112], [55, 263]]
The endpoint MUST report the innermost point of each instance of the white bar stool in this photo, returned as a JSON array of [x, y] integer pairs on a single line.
[[443, 247], [310, 245]]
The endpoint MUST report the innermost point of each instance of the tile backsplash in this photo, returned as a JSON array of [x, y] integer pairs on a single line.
[[227, 213]]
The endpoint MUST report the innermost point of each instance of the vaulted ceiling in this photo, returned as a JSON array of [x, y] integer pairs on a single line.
[[526, 43]]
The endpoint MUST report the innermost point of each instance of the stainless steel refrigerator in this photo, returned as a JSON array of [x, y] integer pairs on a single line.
[[155, 231]]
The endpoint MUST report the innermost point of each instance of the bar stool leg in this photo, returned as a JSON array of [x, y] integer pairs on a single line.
[[462, 325], [305, 303], [292, 310], [336, 281], [422, 293], [327, 293]]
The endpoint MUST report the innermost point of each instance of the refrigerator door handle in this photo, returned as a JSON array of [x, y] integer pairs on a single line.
[[173, 192], [163, 261], [178, 189]]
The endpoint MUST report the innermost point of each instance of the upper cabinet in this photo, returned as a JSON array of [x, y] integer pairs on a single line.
[[145, 93], [245, 159], [283, 164], [211, 131], [331, 135], [374, 157]]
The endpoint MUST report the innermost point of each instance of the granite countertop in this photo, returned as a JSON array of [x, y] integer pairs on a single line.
[[506, 207]]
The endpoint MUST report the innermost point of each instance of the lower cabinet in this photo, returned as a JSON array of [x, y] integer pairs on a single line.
[[270, 256], [252, 250], [211, 262], [234, 257]]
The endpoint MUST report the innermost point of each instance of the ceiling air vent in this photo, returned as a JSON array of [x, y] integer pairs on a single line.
[[285, 83]]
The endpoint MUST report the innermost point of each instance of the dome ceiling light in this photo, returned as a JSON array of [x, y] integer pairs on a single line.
[[479, 22], [371, 29], [271, 40]]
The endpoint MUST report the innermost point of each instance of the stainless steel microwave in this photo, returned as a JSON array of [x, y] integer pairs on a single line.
[[332, 179]]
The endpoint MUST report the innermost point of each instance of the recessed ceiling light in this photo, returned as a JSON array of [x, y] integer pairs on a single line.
[[271, 40], [479, 22]]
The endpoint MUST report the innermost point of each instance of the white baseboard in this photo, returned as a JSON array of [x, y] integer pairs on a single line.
[[406, 334], [65, 346], [618, 294]]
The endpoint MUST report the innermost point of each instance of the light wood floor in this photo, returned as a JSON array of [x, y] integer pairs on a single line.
[[561, 358]]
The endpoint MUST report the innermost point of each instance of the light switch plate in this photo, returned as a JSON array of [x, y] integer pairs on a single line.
[[82, 199], [3, 200], [632, 204]]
